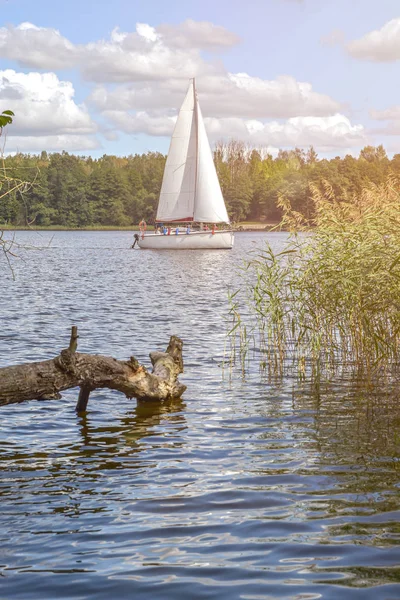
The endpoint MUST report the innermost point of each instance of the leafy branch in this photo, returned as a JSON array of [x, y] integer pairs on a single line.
[[10, 185], [6, 118]]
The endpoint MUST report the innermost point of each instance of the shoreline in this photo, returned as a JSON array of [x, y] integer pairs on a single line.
[[134, 228]]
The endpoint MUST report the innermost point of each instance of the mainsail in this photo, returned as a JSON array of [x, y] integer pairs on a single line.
[[190, 189]]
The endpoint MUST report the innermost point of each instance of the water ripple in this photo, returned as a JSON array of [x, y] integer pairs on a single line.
[[241, 490]]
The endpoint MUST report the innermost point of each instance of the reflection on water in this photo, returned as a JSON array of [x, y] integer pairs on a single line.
[[357, 432], [242, 490]]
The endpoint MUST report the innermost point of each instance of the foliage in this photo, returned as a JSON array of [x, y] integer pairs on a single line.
[[6, 118], [10, 187], [75, 191], [331, 299]]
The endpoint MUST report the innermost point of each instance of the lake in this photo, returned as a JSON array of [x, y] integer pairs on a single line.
[[242, 489]]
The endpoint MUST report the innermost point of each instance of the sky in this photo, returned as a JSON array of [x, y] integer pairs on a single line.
[[97, 77]]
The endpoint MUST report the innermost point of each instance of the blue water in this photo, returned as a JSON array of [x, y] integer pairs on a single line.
[[242, 489]]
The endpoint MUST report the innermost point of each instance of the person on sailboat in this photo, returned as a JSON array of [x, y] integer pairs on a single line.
[[214, 227], [188, 229], [142, 227], [177, 230]]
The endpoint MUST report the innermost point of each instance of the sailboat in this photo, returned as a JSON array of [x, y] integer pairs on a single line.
[[190, 192]]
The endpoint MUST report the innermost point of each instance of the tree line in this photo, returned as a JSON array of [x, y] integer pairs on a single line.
[[65, 190]]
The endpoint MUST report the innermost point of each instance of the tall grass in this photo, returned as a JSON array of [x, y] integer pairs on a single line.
[[331, 299]]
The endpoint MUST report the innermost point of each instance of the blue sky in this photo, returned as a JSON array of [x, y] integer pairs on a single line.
[[275, 73]]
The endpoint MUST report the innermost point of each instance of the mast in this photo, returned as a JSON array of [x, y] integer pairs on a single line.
[[196, 123]]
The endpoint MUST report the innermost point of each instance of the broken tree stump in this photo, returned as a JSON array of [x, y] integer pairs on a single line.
[[46, 379]]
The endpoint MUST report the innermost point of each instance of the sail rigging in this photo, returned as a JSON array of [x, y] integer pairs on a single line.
[[190, 188]]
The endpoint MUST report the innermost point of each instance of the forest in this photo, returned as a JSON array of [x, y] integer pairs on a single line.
[[65, 190]]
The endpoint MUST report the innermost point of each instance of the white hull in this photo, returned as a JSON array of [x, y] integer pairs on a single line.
[[197, 240]]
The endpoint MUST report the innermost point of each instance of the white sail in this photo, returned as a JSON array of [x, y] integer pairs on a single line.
[[209, 206], [179, 182], [190, 188]]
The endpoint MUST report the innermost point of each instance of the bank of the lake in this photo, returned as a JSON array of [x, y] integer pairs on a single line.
[[63, 228], [242, 226]]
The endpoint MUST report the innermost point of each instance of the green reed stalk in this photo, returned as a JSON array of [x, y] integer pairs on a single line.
[[332, 298]]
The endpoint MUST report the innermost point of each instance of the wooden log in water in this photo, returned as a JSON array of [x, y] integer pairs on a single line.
[[45, 380]]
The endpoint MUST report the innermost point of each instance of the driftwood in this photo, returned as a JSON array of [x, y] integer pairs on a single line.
[[45, 380]]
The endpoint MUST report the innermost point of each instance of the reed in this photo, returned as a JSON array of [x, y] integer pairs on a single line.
[[331, 299]]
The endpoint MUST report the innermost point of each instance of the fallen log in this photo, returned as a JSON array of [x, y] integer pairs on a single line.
[[45, 380]]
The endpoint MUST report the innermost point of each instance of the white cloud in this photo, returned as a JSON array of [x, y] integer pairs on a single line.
[[37, 47], [381, 45], [197, 34], [140, 55], [169, 50], [391, 113], [50, 143], [157, 62], [223, 95], [151, 67], [279, 98], [147, 32], [326, 133], [141, 122], [43, 105]]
